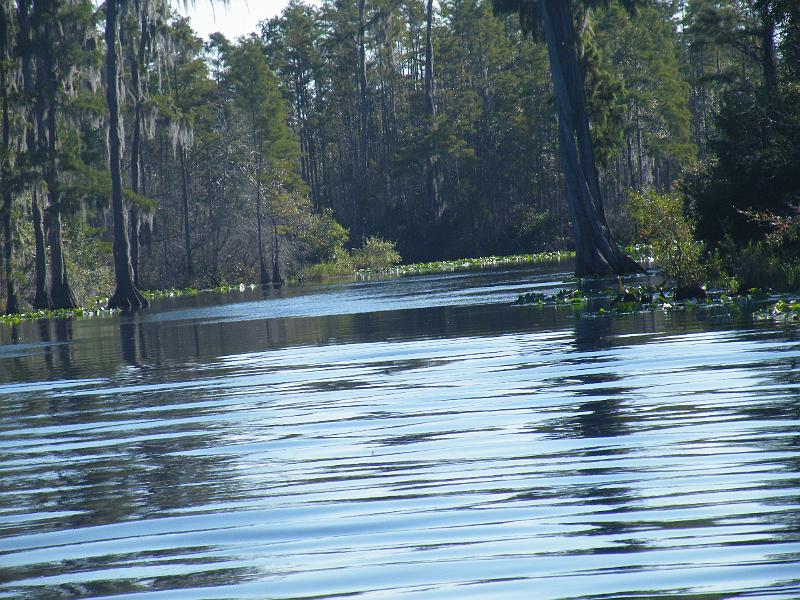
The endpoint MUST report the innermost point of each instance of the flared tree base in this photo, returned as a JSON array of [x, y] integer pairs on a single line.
[[12, 305], [595, 264], [64, 298], [128, 299]]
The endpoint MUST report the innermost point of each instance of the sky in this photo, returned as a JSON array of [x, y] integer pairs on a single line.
[[240, 17]]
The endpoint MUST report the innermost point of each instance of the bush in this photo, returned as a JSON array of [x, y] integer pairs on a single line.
[[759, 265], [376, 254], [663, 225], [88, 262], [341, 267], [324, 238]]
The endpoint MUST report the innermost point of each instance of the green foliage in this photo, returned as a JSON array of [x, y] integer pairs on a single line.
[[325, 238], [88, 262], [375, 254], [643, 53], [663, 225], [96, 310], [606, 103], [754, 167], [485, 262], [758, 265]]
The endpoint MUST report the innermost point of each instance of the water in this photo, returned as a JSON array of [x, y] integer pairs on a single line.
[[415, 438]]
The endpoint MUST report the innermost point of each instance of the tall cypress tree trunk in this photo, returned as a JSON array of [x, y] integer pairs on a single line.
[[126, 295], [361, 208], [187, 236], [596, 251], [61, 294], [12, 302], [137, 163], [41, 299], [276, 261], [262, 261], [42, 275], [433, 170]]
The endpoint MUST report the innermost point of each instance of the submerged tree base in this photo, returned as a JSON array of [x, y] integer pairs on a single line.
[[598, 265], [129, 300]]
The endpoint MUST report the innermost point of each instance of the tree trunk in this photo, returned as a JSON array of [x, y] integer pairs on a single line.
[[41, 298], [262, 261], [12, 302], [61, 294], [276, 262], [41, 278], [360, 220], [769, 54], [137, 163], [187, 237], [433, 170], [126, 295], [596, 251]]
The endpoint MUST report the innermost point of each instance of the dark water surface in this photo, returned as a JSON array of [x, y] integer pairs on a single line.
[[417, 437]]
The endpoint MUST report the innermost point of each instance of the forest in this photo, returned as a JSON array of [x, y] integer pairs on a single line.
[[136, 156]]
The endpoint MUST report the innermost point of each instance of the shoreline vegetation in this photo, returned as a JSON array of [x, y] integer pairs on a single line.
[[623, 300], [378, 267]]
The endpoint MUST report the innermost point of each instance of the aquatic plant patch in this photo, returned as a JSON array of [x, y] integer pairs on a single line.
[[59, 314], [635, 299], [467, 264]]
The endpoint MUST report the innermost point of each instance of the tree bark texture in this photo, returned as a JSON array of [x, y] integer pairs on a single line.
[[126, 296], [262, 260], [187, 235], [137, 163], [433, 173], [61, 295], [769, 53], [41, 299], [364, 110], [276, 262], [596, 251], [42, 275], [12, 301]]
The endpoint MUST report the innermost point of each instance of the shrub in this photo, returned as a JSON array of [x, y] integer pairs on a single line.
[[663, 225], [341, 267], [324, 238], [376, 254], [759, 265], [88, 262]]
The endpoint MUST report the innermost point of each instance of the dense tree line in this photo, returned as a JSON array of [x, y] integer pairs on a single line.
[[129, 144], [434, 124], [461, 127], [450, 145]]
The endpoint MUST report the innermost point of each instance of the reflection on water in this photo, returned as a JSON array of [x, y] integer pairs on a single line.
[[416, 437]]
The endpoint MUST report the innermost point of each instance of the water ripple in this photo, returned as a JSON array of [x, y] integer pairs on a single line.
[[517, 457]]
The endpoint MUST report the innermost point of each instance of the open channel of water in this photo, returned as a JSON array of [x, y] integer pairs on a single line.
[[405, 438]]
